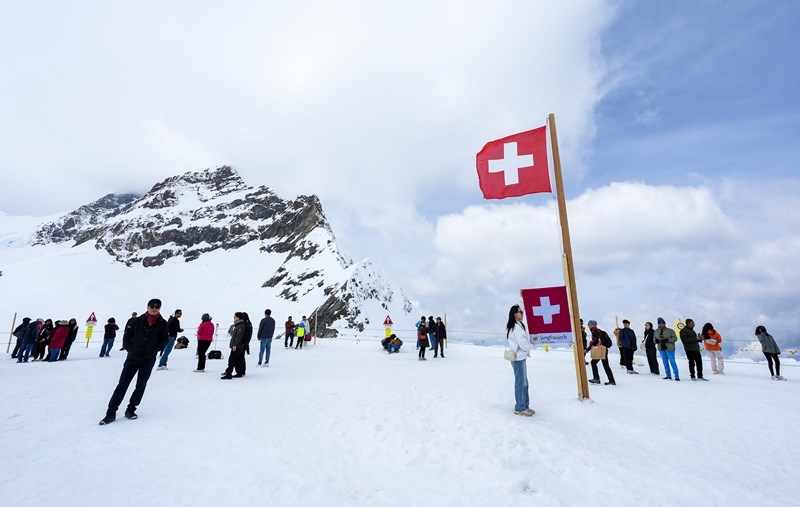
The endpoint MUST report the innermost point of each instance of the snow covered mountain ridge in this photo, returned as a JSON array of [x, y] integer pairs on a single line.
[[212, 224]]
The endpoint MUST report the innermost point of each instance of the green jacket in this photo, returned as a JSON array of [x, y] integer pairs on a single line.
[[768, 343], [690, 341], [665, 338]]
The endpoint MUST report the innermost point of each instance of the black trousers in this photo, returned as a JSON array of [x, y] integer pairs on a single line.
[[235, 361], [202, 348], [695, 362], [289, 340], [16, 348], [439, 346], [65, 350], [300, 340], [606, 367], [627, 358], [422, 352], [652, 359], [131, 367], [773, 357]]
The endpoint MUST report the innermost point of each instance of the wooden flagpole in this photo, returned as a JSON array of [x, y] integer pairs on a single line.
[[11, 334], [569, 270]]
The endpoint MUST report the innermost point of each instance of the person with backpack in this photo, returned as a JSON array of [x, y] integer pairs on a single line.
[[712, 341], [518, 341], [302, 332], [266, 331], [600, 337], [110, 332], [771, 351], [205, 335], [666, 338]]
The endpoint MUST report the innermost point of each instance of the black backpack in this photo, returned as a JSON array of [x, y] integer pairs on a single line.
[[605, 340]]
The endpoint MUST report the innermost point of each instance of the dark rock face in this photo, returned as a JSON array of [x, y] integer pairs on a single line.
[[225, 214]]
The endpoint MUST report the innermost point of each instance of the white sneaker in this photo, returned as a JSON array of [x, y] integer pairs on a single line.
[[266, 365], [780, 377], [774, 377], [199, 371], [162, 367], [524, 413]]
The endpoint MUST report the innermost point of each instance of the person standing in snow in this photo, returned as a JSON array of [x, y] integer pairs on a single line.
[[422, 338], [60, 334], [691, 345], [248, 335], [73, 335], [665, 338], [128, 324], [627, 345], [301, 331], [143, 340], [19, 334], [236, 357], [600, 337], [42, 340], [650, 348], [266, 331], [771, 351], [28, 340], [205, 335], [110, 332], [174, 327], [441, 338], [712, 342], [432, 335], [519, 341], [288, 328]]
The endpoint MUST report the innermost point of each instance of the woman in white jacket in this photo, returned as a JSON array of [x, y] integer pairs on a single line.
[[520, 343]]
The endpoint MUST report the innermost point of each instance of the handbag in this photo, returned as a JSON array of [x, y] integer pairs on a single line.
[[509, 355], [598, 352]]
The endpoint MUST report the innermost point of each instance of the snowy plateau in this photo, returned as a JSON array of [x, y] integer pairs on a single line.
[[203, 242]]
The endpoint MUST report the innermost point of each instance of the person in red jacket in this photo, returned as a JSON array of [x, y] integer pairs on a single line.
[[205, 334], [60, 334]]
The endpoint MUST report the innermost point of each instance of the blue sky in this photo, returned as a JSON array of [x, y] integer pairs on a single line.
[[704, 90]]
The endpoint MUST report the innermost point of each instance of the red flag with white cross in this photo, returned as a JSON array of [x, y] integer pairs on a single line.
[[547, 313], [515, 165]]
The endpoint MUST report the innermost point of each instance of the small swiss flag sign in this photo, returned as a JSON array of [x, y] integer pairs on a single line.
[[388, 321]]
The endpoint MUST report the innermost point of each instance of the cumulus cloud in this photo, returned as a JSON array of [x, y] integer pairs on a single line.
[[640, 251]]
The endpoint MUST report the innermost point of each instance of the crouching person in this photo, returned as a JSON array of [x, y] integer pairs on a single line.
[[394, 344], [142, 340]]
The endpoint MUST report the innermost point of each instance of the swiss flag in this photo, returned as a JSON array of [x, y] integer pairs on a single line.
[[514, 165], [547, 313]]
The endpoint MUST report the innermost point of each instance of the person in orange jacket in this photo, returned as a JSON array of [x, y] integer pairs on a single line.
[[712, 340]]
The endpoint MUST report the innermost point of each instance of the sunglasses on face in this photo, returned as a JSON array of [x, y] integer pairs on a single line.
[[157, 307]]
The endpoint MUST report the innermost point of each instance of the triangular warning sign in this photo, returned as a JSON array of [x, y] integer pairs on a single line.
[[388, 321], [91, 318]]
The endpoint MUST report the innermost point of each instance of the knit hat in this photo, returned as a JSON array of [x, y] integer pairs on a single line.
[[592, 323], [662, 321]]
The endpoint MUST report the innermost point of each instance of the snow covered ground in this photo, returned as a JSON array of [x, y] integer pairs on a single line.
[[342, 423]]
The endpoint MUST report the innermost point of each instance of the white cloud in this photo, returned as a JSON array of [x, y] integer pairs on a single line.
[[640, 251]]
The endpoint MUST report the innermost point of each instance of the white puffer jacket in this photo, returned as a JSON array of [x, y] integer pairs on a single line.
[[520, 342]]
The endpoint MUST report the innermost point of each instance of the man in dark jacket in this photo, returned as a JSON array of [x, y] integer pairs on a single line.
[[441, 337], [266, 331], [174, 327], [236, 357], [73, 335], [627, 345], [143, 340], [128, 325], [19, 333], [691, 344], [28, 340], [600, 337]]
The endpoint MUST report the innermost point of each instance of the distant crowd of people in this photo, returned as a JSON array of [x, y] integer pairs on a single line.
[[44, 340], [657, 342]]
